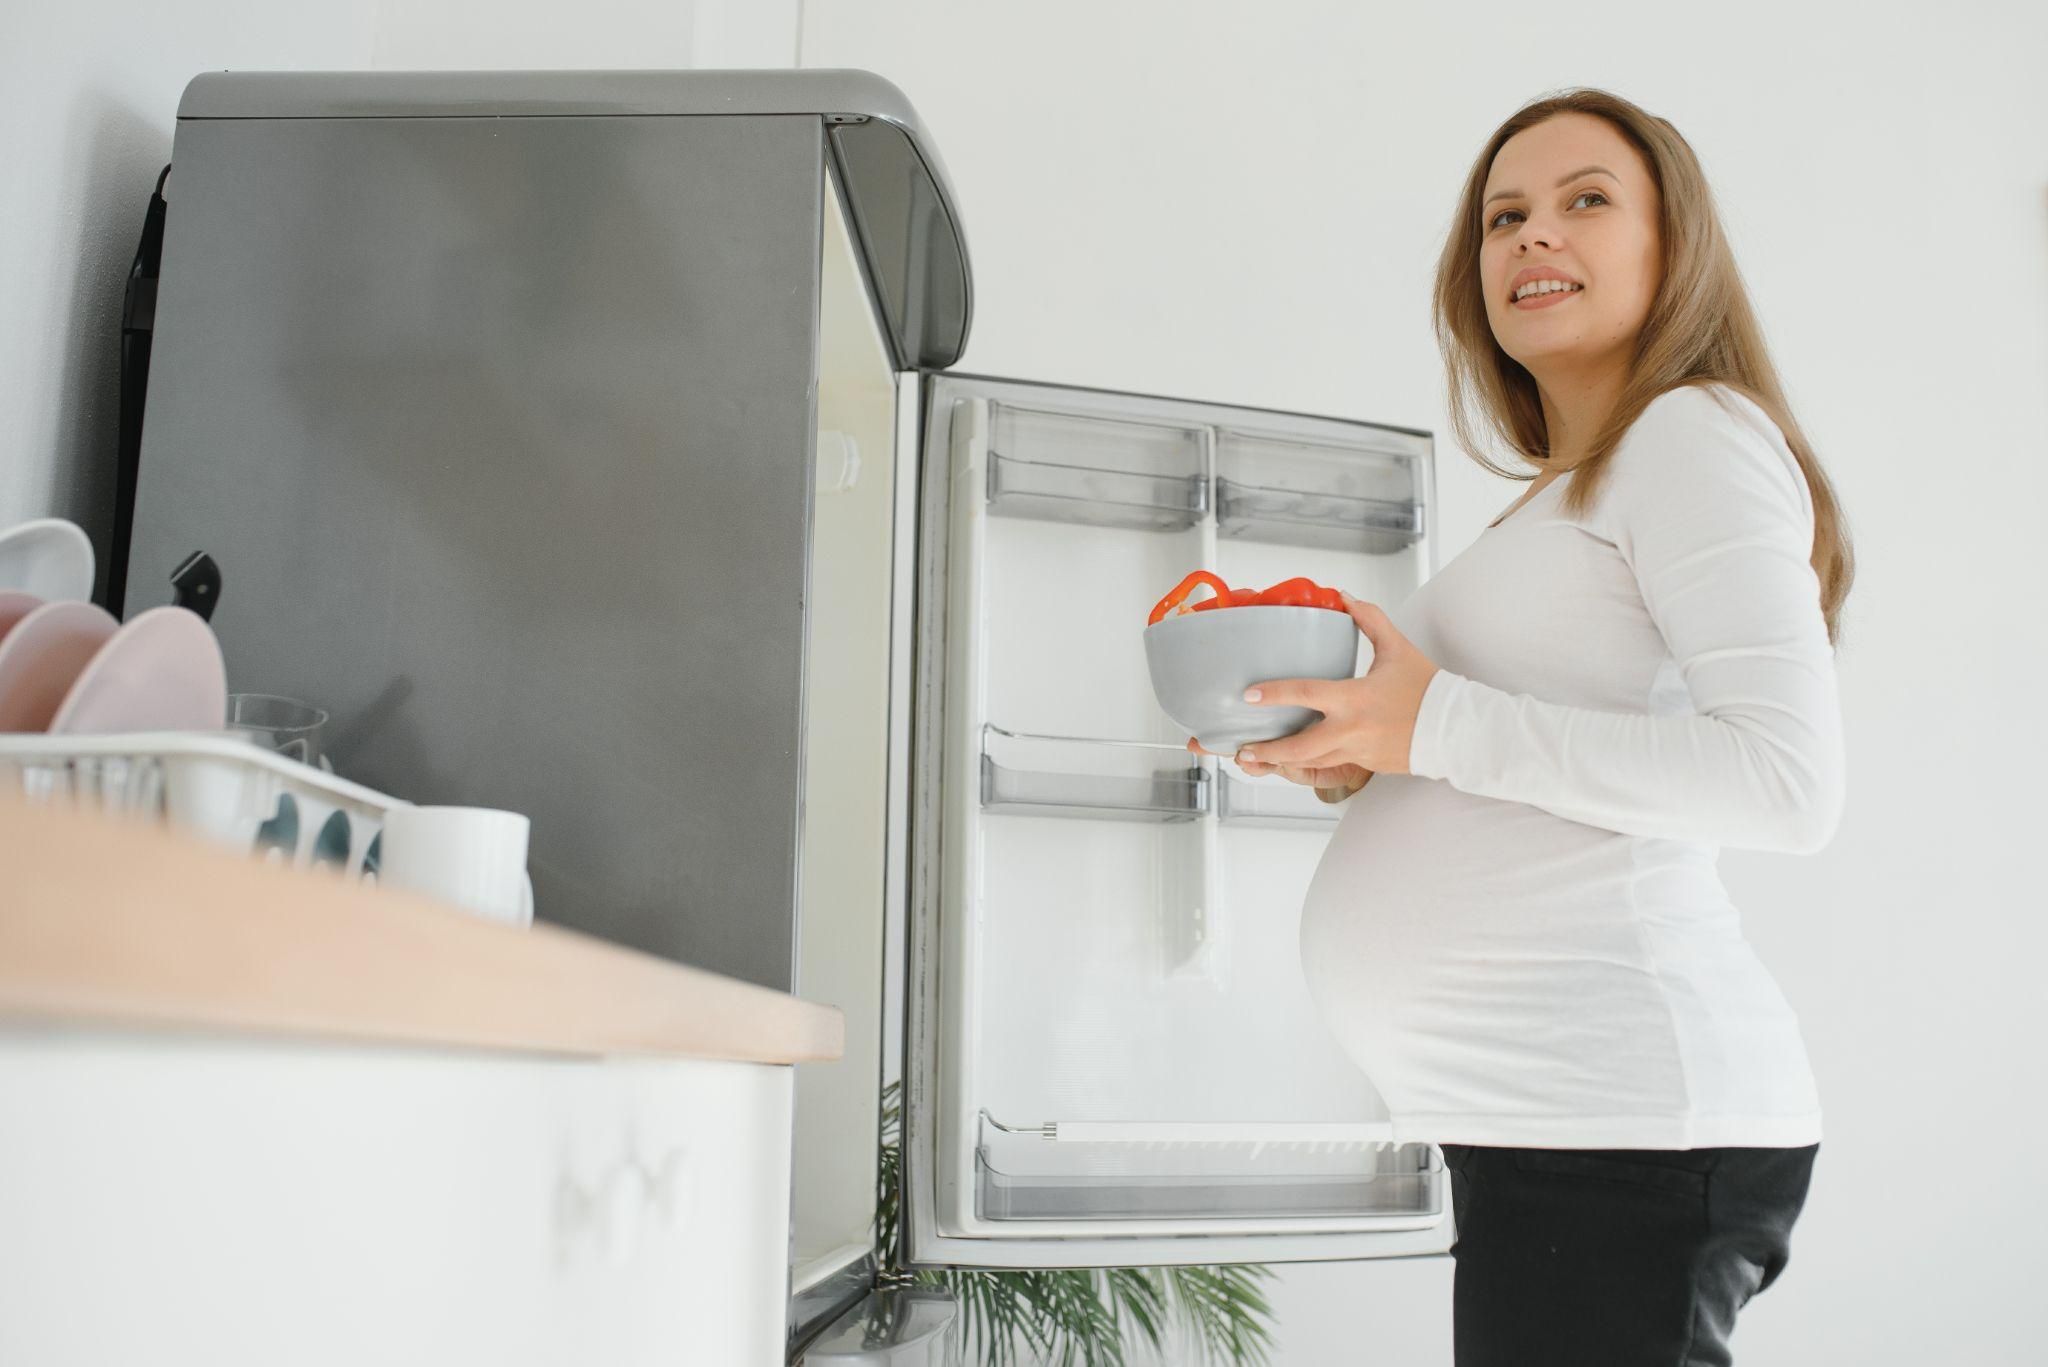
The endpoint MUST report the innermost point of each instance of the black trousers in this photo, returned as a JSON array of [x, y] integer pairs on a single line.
[[1615, 1257]]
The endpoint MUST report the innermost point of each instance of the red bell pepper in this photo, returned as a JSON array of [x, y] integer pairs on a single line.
[[1185, 587], [1288, 593]]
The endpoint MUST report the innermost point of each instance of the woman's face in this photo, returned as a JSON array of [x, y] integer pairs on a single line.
[[1569, 199]]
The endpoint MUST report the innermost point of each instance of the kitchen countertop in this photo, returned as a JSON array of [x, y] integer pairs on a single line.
[[115, 919]]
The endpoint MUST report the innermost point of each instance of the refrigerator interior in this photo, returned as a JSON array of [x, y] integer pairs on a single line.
[[1117, 1046]]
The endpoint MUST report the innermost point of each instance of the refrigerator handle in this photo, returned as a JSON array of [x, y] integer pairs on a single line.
[[138, 328]]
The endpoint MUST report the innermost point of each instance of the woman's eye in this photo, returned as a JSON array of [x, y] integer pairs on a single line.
[[1495, 223]]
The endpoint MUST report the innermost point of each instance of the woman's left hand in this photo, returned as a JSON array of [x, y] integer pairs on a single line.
[[1368, 720]]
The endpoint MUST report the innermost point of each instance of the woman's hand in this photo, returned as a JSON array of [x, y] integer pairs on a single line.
[[1368, 721], [1331, 777]]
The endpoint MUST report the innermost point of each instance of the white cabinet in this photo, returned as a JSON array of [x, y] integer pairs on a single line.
[[222, 1200]]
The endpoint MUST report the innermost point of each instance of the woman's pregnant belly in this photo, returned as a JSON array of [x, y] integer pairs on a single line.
[[1475, 956]]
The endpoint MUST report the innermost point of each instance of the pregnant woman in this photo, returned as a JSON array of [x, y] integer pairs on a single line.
[[1517, 929]]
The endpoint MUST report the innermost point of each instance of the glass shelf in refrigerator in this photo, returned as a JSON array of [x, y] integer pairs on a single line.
[[1102, 779], [1313, 494], [1105, 472], [1278, 804], [1064, 1171]]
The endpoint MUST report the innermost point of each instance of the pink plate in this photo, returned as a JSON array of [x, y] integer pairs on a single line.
[[161, 672], [13, 607], [43, 656]]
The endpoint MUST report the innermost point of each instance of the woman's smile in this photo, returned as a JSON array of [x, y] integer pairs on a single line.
[[1546, 299]]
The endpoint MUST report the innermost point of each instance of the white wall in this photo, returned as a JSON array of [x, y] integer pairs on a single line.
[[1244, 202], [88, 94]]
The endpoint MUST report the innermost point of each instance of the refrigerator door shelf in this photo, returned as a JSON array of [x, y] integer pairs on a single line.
[[1101, 498], [1131, 968], [1120, 780], [1273, 802], [1275, 487], [1100, 470], [1304, 518], [1104, 471], [1202, 1174], [1100, 779]]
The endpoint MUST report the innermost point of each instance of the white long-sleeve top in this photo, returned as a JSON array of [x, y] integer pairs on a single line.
[[1525, 940]]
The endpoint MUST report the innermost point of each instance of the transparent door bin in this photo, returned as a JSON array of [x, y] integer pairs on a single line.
[[1277, 804], [1105, 472], [1063, 1171], [1116, 780], [1318, 495], [1319, 521], [1102, 779]]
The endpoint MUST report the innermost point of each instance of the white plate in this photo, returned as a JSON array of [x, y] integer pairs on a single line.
[[48, 557]]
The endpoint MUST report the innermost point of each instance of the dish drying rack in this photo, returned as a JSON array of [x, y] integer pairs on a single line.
[[217, 785]]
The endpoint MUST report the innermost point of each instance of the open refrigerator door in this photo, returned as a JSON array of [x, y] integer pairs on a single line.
[[1112, 1056]]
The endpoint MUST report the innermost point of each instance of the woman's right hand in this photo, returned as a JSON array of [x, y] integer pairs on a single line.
[[1328, 776]]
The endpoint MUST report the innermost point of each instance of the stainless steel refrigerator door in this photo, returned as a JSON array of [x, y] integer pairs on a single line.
[[501, 432], [1112, 1059]]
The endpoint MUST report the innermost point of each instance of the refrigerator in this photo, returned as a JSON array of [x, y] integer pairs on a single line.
[[593, 445]]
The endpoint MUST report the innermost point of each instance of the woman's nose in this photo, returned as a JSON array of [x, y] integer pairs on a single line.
[[1535, 234]]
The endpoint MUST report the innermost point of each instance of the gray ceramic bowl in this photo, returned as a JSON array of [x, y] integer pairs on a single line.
[[1202, 662]]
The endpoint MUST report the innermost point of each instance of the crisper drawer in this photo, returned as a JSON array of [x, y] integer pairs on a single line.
[[1113, 1054]]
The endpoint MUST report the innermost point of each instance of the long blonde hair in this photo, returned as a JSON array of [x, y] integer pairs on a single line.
[[1701, 330]]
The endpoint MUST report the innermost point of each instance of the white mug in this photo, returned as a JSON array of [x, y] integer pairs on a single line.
[[474, 857]]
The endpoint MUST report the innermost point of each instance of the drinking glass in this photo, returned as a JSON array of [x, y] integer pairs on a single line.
[[286, 725]]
